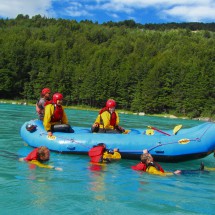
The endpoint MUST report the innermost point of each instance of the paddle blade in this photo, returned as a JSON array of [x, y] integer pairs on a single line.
[[176, 129]]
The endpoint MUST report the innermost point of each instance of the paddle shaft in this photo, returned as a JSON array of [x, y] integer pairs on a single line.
[[159, 131]]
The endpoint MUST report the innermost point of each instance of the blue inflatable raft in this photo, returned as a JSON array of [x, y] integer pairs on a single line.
[[187, 144]]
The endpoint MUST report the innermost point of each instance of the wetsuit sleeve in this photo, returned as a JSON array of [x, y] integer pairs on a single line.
[[64, 118], [41, 164], [41, 103], [49, 109], [153, 170]]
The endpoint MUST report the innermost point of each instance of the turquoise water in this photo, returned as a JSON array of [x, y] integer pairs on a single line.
[[79, 189]]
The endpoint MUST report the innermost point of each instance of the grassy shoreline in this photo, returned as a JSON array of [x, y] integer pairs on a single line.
[[82, 107]]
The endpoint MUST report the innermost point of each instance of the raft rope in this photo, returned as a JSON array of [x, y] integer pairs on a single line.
[[196, 139], [71, 140], [162, 144]]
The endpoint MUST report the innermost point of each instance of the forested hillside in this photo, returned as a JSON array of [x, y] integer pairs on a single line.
[[145, 69]]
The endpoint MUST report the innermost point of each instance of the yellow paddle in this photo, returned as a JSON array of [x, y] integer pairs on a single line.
[[176, 129]]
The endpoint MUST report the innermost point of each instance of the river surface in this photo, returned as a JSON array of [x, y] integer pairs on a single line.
[[111, 189]]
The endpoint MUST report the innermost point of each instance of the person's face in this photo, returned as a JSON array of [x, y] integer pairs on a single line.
[[112, 109], [59, 102], [150, 159], [47, 95]]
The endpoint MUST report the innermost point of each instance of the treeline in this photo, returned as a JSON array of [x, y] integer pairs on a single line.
[[151, 71], [193, 26]]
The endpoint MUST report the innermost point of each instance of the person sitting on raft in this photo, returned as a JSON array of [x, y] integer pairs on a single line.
[[38, 156], [42, 102], [55, 118], [100, 154], [108, 119]]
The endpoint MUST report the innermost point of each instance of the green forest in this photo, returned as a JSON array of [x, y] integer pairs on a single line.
[[152, 68]]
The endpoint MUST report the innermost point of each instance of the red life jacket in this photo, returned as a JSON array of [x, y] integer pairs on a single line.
[[113, 116], [48, 102], [139, 167], [96, 154], [33, 155], [58, 114]]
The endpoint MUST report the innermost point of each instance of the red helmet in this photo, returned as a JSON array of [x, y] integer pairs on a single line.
[[57, 96], [110, 103], [45, 90]]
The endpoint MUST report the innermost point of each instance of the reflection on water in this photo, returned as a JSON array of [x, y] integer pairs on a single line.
[[82, 188], [97, 181]]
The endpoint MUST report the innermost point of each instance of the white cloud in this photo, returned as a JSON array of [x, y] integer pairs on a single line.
[[183, 10], [114, 15], [11, 8], [187, 10], [192, 14], [118, 7], [76, 9]]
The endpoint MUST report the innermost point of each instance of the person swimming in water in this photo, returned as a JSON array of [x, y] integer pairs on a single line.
[[148, 165], [38, 156], [100, 154]]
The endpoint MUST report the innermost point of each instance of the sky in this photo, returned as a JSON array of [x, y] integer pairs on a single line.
[[141, 11]]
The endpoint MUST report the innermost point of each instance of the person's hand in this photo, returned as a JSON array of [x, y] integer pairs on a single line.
[[116, 150], [145, 151], [50, 133], [177, 172], [58, 168], [121, 128], [95, 125]]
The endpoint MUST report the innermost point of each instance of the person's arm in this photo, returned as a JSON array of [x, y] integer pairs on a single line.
[[36, 162], [106, 119], [153, 170], [117, 118], [97, 119], [209, 168], [47, 117]]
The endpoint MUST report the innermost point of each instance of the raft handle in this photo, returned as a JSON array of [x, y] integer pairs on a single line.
[[159, 152], [71, 148]]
